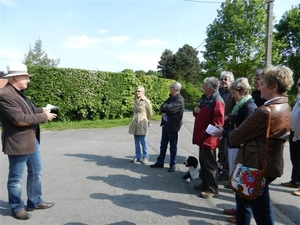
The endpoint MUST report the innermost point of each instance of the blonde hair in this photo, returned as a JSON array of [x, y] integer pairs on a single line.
[[280, 76]]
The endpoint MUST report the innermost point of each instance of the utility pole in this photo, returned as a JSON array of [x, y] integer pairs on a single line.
[[269, 33]]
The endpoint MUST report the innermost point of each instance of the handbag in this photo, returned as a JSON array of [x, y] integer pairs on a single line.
[[250, 182]]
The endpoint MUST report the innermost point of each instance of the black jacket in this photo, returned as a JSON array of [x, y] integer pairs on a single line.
[[173, 108]]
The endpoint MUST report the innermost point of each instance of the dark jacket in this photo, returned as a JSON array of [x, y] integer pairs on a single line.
[[235, 120], [19, 123], [257, 99], [211, 112], [173, 108], [252, 133], [229, 102]]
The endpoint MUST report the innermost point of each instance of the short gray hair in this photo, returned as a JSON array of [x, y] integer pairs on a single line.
[[176, 85], [141, 88], [241, 85], [227, 74], [212, 82]]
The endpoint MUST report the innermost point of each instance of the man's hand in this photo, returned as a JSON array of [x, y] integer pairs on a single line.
[[218, 133], [50, 116], [196, 109]]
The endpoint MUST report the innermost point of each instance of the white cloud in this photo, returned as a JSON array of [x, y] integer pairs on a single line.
[[102, 31], [82, 41], [142, 61], [119, 39], [7, 2], [153, 41], [11, 55]]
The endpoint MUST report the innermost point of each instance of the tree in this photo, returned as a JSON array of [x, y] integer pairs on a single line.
[[153, 73], [288, 31], [236, 39], [187, 64], [184, 64], [163, 63], [39, 57]]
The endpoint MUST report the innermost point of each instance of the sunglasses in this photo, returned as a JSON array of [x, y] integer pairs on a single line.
[[223, 79], [298, 84]]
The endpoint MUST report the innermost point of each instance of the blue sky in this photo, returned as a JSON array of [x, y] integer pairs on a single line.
[[106, 35]]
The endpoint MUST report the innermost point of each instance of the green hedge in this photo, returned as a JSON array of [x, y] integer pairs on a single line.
[[91, 95]]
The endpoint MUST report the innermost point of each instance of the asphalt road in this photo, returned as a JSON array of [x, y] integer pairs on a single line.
[[89, 175]]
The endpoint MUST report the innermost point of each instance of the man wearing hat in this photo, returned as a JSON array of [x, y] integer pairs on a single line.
[[20, 141]]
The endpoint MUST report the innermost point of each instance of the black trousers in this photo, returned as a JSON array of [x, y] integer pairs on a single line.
[[295, 159], [209, 170]]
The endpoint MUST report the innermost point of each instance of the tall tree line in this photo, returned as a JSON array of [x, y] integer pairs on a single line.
[[236, 42]]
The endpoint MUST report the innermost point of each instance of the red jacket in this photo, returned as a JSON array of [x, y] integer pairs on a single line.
[[212, 110]]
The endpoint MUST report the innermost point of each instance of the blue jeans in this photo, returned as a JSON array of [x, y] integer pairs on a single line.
[[16, 172], [260, 207], [138, 141], [168, 137]]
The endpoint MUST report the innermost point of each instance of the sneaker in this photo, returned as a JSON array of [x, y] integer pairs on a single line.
[[208, 195], [156, 165], [289, 184], [144, 161], [135, 160], [297, 193], [172, 168]]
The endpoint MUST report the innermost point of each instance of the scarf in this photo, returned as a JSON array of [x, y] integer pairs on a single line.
[[239, 104]]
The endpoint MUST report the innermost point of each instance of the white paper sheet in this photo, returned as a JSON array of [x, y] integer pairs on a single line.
[[211, 129], [49, 106]]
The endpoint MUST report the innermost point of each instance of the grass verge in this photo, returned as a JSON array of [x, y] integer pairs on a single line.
[[97, 124]]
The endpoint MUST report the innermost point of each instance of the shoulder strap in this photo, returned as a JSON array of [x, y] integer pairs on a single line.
[[267, 136]]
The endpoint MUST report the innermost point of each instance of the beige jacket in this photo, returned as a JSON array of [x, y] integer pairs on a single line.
[[142, 113]]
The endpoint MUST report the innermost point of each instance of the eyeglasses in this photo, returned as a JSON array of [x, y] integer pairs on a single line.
[[223, 79], [137, 91]]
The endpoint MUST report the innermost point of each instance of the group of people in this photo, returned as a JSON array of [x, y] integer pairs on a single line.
[[241, 119], [172, 113]]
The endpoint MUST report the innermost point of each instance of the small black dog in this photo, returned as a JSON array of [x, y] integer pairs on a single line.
[[194, 169]]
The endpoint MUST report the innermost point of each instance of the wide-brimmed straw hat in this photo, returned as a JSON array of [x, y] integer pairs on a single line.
[[16, 69]]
